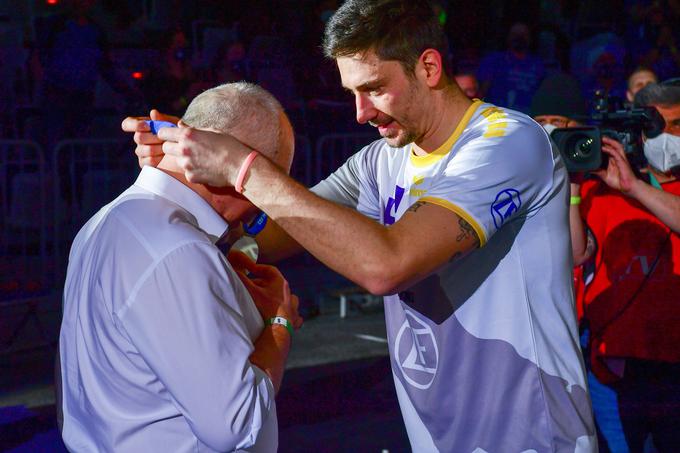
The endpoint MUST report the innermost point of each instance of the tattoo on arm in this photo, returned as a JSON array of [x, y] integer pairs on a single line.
[[415, 206], [466, 232]]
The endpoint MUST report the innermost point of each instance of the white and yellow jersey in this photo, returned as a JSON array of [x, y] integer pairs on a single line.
[[484, 352]]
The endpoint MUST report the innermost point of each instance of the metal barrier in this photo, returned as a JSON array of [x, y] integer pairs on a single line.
[[301, 169], [88, 174], [334, 149], [26, 264]]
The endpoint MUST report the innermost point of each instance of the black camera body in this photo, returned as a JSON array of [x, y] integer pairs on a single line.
[[581, 147]]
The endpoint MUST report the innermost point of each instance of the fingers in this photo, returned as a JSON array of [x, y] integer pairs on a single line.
[[616, 154], [265, 272], [150, 161], [174, 134], [135, 123], [146, 138], [240, 260], [158, 116], [609, 144], [297, 319], [149, 151], [601, 173]]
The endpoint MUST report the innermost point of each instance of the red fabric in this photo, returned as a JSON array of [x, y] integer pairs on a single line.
[[579, 292], [629, 239]]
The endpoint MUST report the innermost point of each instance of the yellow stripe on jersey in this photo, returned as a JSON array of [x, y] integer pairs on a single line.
[[439, 153], [497, 126], [461, 213]]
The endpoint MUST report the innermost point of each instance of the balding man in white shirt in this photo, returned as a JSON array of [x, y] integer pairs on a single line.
[[162, 346]]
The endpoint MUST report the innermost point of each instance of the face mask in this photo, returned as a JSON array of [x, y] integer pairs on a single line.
[[549, 128], [663, 152]]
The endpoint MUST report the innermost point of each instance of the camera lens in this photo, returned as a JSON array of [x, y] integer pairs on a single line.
[[581, 148]]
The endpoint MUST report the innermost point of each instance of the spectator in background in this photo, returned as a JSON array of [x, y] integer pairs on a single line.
[[631, 305], [72, 51], [168, 85], [230, 62], [558, 102], [639, 79], [597, 61], [468, 84], [653, 37], [664, 54], [511, 77]]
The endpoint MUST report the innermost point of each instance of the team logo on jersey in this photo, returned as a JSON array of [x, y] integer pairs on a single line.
[[416, 352], [392, 206], [507, 203]]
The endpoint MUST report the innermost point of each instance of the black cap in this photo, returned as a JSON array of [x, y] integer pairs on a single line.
[[559, 94]]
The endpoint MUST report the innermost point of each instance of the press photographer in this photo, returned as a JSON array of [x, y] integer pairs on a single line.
[[631, 304]]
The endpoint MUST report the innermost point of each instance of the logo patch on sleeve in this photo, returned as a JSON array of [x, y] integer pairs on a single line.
[[392, 206], [507, 203]]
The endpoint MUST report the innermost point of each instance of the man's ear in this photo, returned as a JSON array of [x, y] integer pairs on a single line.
[[181, 123], [432, 67]]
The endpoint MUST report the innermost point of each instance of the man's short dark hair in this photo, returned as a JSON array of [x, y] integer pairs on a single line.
[[665, 94], [398, 30]]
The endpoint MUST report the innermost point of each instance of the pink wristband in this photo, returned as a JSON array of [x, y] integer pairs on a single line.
[[244, 170]]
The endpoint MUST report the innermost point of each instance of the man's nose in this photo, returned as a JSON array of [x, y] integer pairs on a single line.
[[365, 109]]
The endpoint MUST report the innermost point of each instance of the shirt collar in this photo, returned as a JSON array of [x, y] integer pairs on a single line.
[[164, 185]]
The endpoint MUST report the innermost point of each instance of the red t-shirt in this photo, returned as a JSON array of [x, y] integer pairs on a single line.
[[633, 302]]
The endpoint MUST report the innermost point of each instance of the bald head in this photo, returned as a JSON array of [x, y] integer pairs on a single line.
[[253, 116], [249, 113]]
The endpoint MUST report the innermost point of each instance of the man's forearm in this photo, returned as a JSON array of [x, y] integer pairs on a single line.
[[271, 352], [664, 205], [275, 244], [347, 242]]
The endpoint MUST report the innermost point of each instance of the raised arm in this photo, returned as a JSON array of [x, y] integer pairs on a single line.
[[273, 242], [381, 259], [582, 242]]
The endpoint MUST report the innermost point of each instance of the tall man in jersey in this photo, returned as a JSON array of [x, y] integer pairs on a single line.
[[458, 215]]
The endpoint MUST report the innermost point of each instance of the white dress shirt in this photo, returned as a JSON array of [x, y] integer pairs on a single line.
[[157, 331]]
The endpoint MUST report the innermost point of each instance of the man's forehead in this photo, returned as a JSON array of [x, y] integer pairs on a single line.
[[641, 77], [551, 117], [364, 68], [669, 112]]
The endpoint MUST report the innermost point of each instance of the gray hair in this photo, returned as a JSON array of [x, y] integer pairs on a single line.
[[247, 111], [664, 94]]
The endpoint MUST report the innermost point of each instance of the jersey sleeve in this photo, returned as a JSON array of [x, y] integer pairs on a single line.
[[502, 173], [354, 183]]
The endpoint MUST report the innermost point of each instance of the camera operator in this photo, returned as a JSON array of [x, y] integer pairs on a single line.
[[557, 104], [631, 305]]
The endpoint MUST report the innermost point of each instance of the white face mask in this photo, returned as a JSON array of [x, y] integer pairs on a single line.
[[549, 128], [663, 152]]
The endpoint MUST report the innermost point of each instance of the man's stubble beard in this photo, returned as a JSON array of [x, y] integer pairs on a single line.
[[409, 134]]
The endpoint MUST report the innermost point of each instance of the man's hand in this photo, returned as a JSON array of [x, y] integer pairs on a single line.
[[267, 287], [206, 157], [149, 149], [618, 175]]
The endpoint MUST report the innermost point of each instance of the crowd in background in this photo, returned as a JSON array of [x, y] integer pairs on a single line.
[[62, 58], [64, 64]]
